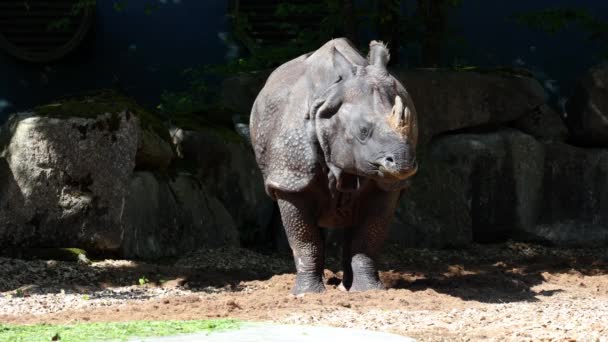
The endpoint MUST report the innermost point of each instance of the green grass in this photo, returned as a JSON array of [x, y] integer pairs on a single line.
[[110, 331]]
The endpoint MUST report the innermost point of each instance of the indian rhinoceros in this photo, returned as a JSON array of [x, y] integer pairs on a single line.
[[335, 135]]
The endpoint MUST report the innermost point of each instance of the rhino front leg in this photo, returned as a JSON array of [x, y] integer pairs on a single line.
[[367, 240], [305, 240]]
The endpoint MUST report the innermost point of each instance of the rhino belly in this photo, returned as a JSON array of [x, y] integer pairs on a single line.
[[340, 212]]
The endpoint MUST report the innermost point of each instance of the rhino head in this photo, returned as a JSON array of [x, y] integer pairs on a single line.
[[366, 123]]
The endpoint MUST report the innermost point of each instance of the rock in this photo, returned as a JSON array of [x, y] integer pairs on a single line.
[[165, 217], [574, 210], [225, 164], [543, 123], [64, 179], [153, 152], [471, 187], [453, 100], [445, 100], [587, 108], [67, 178]]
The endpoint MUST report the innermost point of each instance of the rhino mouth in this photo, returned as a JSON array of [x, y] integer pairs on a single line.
[[353, 180], [397, 174]]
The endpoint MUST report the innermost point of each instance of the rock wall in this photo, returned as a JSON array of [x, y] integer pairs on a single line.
[[109, 183], [496, 163]]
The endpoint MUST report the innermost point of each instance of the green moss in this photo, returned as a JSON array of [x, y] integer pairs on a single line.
[[64, 254], [198, 122], [110, 331], [102, 102]]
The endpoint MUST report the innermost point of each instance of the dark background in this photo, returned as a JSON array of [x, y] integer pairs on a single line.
[[144, 53]]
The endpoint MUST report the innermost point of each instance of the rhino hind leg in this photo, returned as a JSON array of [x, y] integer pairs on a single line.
[[347, 270], [305, 240]]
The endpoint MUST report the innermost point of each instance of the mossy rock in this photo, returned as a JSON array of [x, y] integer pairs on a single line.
[[101, 102], [200, 123]]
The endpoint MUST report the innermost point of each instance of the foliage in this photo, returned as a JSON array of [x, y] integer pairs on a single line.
[[143, 280], [110, 331], [63, 23], [384, 17], [556, 20]]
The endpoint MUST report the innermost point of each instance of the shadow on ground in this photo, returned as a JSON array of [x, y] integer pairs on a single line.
[[485, 273]]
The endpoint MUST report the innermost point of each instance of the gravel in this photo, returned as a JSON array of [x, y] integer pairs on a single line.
[[512, 291]]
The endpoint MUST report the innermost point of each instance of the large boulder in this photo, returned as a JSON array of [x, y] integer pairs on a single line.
[[64, 179], [452, 100], [479, 187], [170, 217], [574, 210], [153, 152], [68, 179], [587, 108], [225, 164], [543, 123], [445, 100]]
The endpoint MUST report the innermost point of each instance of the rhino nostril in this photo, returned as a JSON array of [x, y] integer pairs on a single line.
[[389, 161]]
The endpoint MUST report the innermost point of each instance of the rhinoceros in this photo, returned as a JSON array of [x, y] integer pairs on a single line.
[[335, 135]]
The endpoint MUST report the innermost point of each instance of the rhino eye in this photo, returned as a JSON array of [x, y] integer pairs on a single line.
[[364, 133]]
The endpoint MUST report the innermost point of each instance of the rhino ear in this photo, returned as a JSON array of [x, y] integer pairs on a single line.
[[343, 67], [327, 105]]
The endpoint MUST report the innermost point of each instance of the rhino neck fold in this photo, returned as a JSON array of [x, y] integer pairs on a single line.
[[344, 182]]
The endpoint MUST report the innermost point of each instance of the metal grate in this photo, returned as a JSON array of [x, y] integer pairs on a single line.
[[42, 31]]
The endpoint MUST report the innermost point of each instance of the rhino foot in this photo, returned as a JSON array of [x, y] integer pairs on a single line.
[[366, 285], [308, 283], [364, 275]]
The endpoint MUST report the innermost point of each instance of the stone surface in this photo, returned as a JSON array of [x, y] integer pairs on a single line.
[[471, 186], [574, 209], [64, 180], [453, 100], [168, 217], [543, 123], [587, 108], [225, 164], [153, 153]]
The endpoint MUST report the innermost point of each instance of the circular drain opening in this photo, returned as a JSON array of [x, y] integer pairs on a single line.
[[43, 31]]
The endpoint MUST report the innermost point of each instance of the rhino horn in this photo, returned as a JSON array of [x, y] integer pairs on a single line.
[[400, 117], [378, 54]]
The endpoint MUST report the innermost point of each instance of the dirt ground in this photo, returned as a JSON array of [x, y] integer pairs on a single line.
[[511, 291]]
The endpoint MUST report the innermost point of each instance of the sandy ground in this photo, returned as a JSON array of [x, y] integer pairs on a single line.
[[510, 291]]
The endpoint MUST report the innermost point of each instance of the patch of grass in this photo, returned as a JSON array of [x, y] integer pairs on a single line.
[[110, 331]]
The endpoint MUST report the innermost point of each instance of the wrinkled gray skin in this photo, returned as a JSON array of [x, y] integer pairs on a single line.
[[335, 136]]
